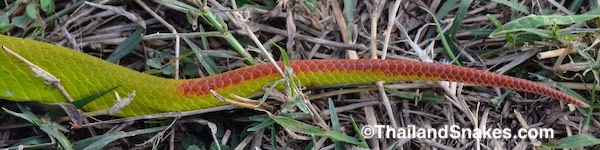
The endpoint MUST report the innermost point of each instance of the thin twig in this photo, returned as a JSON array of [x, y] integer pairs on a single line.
[[49, 79], [164, 115], [241, 22], [171, 28], [315, 40]]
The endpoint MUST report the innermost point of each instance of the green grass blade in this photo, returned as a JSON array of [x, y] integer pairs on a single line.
[[441, 13], [98, 142], [302, 127], [220, 26], [53, 131], [205, 61], [262, 125], [514, 5], [446, 7], [575, 5], [335, 123], [182, 5], [217, 23], [494, 21], [64, 11], [575, 141], [349, 8], [4, 21], [460, 15], [80, 103], [363, 142], [26, 115], [86, 100], [127, 46], [449, 47], [533, 21], [273, 137]]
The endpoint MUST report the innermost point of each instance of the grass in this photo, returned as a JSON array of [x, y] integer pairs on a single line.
[[498, 35]]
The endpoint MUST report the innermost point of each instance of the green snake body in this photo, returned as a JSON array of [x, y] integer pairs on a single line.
[[81, 74]]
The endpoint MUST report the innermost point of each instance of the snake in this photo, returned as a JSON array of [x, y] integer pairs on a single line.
[[83, 75]]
